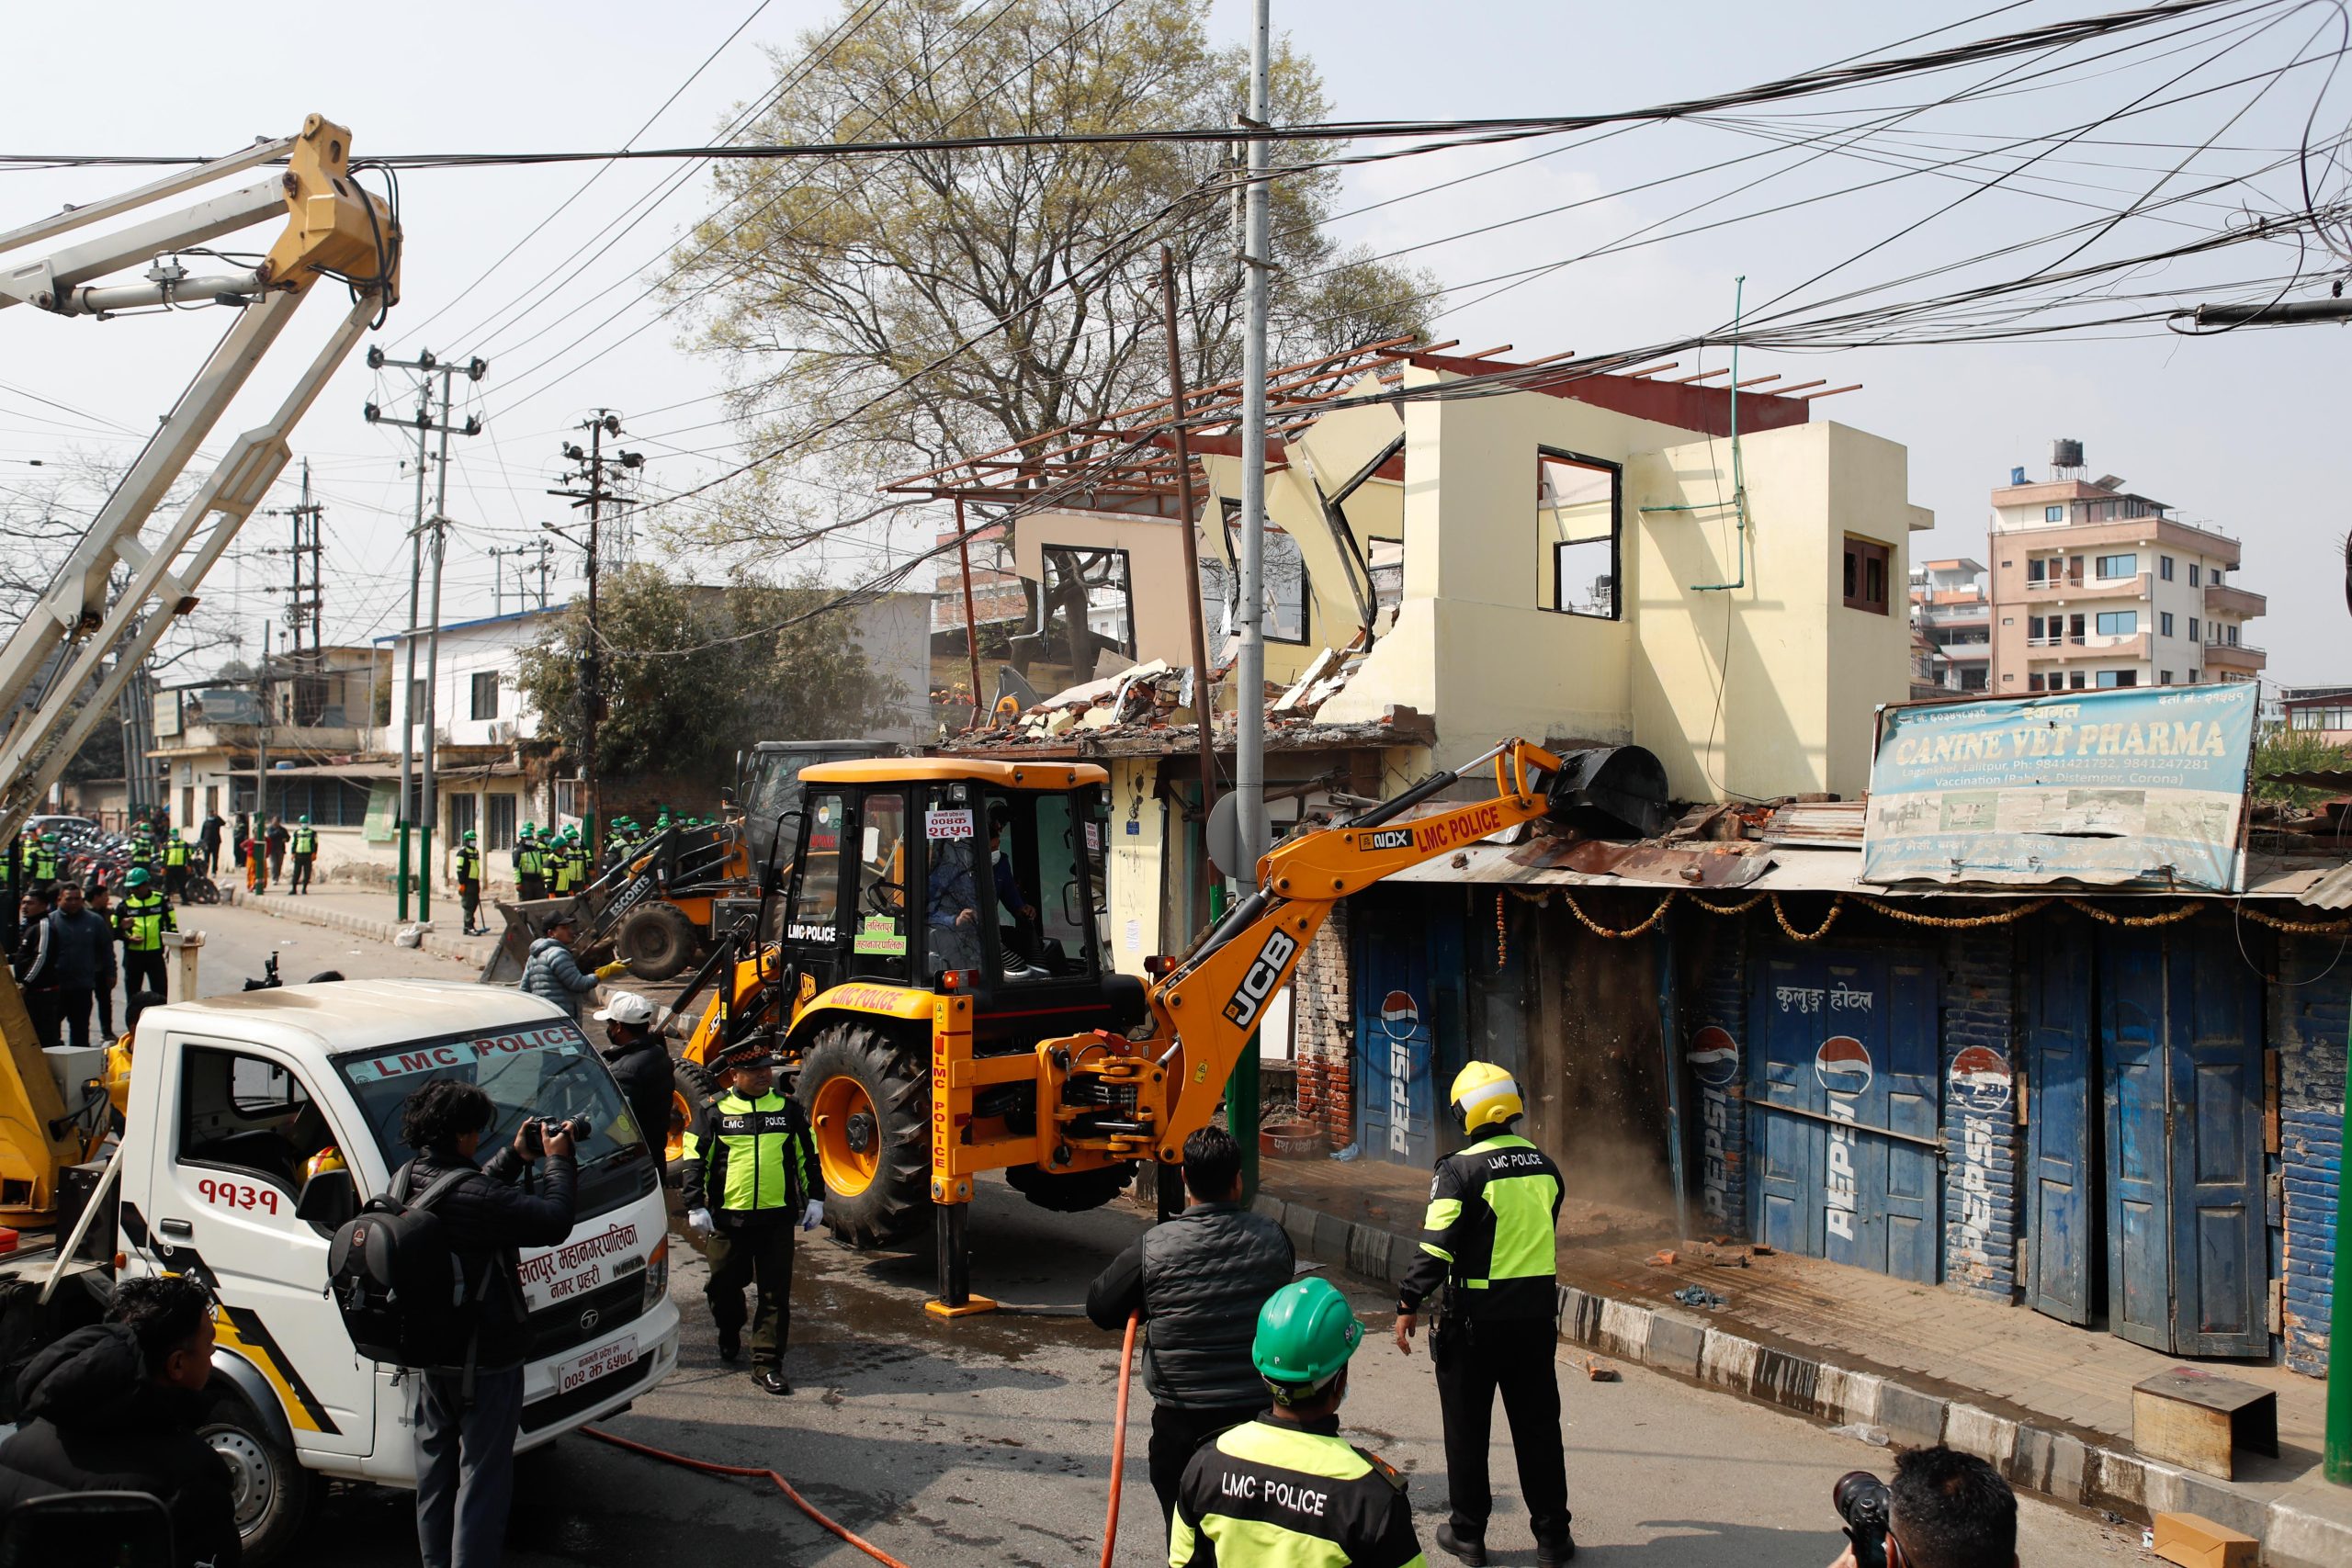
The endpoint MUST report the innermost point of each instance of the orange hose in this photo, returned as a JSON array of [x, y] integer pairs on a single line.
[[1119, 1440], [784, 1486], [1110, 1520]]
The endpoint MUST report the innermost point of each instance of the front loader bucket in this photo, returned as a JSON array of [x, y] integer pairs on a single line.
[[525, 925]]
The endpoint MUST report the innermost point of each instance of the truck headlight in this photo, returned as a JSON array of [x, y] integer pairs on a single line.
[[657, 1274]]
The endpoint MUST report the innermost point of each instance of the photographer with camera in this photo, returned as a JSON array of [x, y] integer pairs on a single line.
[[1945, 1509], [467, 1420], [753, 1160]]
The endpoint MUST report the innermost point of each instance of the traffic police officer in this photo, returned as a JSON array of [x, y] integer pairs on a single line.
[[530, 865], [752, 1160], [562, 868], [1285, 1490], [44, 862], [176, 858], [141, 921], [306, 852], [469, 882], [1491, 1238]]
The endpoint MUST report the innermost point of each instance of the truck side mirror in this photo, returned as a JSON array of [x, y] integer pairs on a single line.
[[329, 1200]]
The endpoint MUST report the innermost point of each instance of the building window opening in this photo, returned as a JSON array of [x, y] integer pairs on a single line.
[[1865, 575], [1283, 582], [1578, 511]]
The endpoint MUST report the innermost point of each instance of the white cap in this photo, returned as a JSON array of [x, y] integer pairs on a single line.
[[627, 1006]]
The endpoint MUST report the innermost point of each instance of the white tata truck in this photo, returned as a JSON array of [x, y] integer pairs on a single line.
[[255, 1124]]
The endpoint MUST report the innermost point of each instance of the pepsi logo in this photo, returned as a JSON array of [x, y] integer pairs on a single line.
[[1399, 1014], [1713, 1058], [1843, 1065], [1982, 1080]]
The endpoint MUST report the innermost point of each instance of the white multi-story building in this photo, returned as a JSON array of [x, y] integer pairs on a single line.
[[1952, 610], [2097, 586]]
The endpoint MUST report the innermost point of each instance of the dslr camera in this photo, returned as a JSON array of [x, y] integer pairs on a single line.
[[1862, 1500], [535, 1134]]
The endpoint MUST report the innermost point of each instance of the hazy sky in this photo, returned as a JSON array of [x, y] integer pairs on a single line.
[[2240, 431]]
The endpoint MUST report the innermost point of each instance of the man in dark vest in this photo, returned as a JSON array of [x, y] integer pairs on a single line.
[[1199, 1281], [469, 868]]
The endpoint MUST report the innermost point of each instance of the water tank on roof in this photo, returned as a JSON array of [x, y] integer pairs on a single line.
[[2065, 454]]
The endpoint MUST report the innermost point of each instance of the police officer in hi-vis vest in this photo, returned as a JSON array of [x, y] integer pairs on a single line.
[[469, 883], [1285, 1490], [749, 1176], [1490, 1240], [139, 921]]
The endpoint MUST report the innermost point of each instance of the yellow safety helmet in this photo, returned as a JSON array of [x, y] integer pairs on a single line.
[[326, 1159], [1484, 1093]]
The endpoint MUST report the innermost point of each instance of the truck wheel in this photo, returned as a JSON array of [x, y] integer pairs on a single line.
[[869, 1107], [1069, 1192], [269, 1488], [692, 1089], [657, 941]]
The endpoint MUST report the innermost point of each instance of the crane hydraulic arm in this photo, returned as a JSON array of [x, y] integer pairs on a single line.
[[1210, 1004], [332, 228], [65, 665]]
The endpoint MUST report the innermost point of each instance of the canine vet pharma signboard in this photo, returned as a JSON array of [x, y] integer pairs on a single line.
[[2142, 784]]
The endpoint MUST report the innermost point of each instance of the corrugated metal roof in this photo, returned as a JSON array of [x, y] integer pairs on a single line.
[[2331, 889]]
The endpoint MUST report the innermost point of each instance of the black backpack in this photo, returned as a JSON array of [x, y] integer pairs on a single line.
[[399, 1286]]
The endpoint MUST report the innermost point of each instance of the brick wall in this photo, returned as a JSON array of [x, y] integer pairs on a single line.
[[1980, 1214], [1323, 1028], [1714, 977], [2308, 1020]]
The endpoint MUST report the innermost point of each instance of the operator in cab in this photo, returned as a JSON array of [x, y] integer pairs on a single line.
[[1490, 1239], [1285, 1490], [750, 1174]]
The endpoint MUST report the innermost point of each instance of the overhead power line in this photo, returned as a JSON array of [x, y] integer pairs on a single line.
[[1809, 83]]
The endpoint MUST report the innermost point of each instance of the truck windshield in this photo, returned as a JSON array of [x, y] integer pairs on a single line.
[[543, 1070]]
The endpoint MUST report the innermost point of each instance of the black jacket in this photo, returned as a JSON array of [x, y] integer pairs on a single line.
[[36, 966], [81, 949], [94, 1423], [1199, 1280], [486, 1221], [642, 1070]]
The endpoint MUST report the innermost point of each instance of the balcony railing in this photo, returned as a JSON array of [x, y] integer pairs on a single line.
[[2073, 585], [2091, 645]]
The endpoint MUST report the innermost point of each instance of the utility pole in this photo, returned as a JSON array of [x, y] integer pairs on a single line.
[[521, 586], [1250, 673], [425, 367], [1203, 691], [261, 739], [600, 474]]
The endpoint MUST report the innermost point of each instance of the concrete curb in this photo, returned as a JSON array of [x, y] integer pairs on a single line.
[[2053, 1463], [358, 925]]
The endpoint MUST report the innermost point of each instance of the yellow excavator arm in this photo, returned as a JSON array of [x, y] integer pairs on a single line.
[[1209, 1005]]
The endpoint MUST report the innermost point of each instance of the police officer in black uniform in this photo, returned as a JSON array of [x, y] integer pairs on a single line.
[[1491, 1238]]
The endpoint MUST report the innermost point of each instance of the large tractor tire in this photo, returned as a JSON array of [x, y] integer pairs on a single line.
[[692, 1090], [869, 1102], [656, 942], [1069, 1192]]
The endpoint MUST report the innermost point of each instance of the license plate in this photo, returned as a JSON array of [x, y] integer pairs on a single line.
[[580, 1371]]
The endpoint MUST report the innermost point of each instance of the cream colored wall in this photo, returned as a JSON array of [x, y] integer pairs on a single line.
[[1472, 561], [1771, 688], [1155, 567], [1135, 861]]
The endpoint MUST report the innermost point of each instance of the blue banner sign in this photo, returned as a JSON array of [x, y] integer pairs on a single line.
[[2143, 785]]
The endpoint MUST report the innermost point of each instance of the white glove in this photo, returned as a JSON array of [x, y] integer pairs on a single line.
[[815, 1216], [698, 1221]]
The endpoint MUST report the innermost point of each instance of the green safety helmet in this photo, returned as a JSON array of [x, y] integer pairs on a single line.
[[304, 820], [571, 832], [139, 876], [49, 838], [531, 830], [469, 835], [1307, 1331]]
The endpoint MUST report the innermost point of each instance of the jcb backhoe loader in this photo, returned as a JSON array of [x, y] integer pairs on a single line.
[[942, 988]]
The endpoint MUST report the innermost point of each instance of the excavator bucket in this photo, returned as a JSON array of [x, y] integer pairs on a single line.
[[1611, 791], [525, 924]]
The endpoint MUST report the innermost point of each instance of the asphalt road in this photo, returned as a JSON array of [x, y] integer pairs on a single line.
[[238, 943], [987, 1441]]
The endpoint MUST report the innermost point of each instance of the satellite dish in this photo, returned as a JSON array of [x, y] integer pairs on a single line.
[[1224, 837]]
